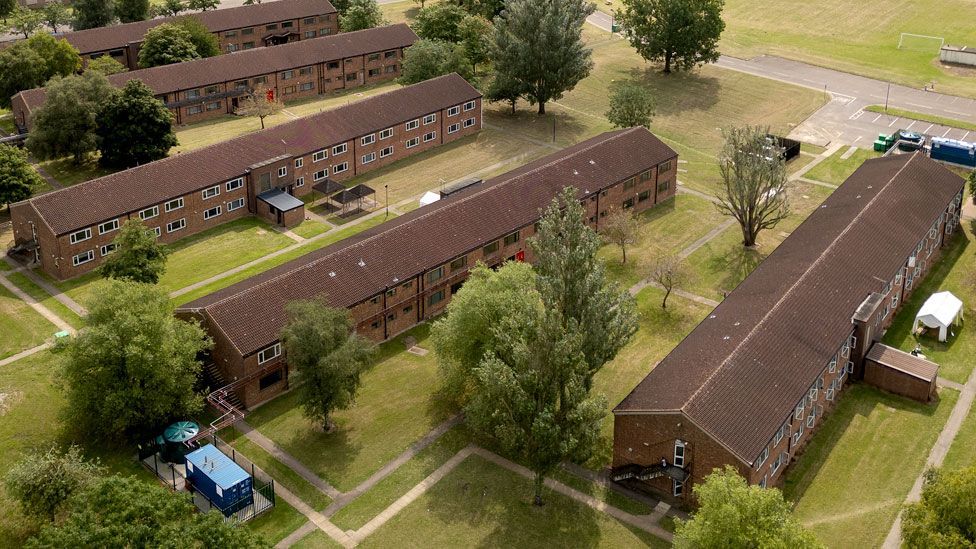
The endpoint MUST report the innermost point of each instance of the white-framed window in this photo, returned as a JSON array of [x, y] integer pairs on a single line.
[[898, 278], [798, 434], [386, 152], [850, 367], [852, 341], [211, 192], [832, 365], [108, 226], [234, 184], [177, 225], [149, 213], [174, 204], [894, 302], [269, 353], [785, 428], [845, 351], [679, 453], [339, 149], [319, 156], [412, 142], [368, 157], [430, 136], [158, 231], [83, 257], [469, 122], [368, 139], [299, 162], [454, 111], [300, 182], [430, 119], [235, 204], [320, 175], [468, 106], [107, 249], [812, 393], [339, 168], [412, 125], [386, 134], [212, 212], [830, 390], [776, 463], [798, 413], [763, 456], [677, 488], [282, 171], [80, 236], [453, 128]]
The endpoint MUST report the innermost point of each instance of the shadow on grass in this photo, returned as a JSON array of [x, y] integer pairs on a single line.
[[685, 90], [736, 263]]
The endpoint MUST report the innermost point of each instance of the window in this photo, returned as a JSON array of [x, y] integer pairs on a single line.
[[832, 365], [287, 75], [108, 226], [288, 90], [212, 212], [798, 434], [850, 367], [830, 390], [308, 21], [83, 257], [350, 77], [812, 393], [177, 225], [469, 122], [898, 278], [435, 298], [776, 463], [287, 24], [663, 186], [389, 69], [157, 231], [269, 380], [247, 31], [232, 48], [368, 139], [306, 86], [269, 353], [192, 94], [407, 285], [677, 488], [107, 249], [412, 125], [283, 171], [310, 34], [643, 196], [210, 90], [490, 248], [430, 119], [339, 149], [319, 156], [812, 418], [435, 275], [386, 152], [413, 142], [407, 309], [762, 483], [845, 351], [389, 54], [149, 213], [305, 71], [664, 166], [762, 457], [629, 203], [271, 27], [629, 184], [468, 106], [299, 162], [240, 85], [339, 168], [333, 65], [196, 109], [230, 34], [368, 157], [894, 302], [512, 238], [235, 204], [430, 136], [453, 128], [679, 453], [261, 80], [80, 236], [798, 413], [234, 184], [213, 106], [375, 300], [454, 111], [174, 204], [459, 263], [320, 175], [211, 192], [386, 134], [373, 57]]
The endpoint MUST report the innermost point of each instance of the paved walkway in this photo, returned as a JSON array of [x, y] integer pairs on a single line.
[[47, 287], [22, 354], [37, 306], [284, 457]]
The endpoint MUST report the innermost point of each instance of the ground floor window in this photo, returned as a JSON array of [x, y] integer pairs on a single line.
[[270, 379], [677, 488]]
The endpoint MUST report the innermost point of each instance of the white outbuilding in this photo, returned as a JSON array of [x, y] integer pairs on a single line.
[[941, 310]]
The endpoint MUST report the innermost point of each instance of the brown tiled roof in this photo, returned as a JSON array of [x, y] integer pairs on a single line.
[[117, 36], [903, 362], [251, 313], [127, 191], [250, 63], [741, 371]]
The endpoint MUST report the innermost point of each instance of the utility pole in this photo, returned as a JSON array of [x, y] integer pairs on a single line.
[[888, 91], [387, 188]]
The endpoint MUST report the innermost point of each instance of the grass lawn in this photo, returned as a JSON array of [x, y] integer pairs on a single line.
[[962, 453], [922, 117], [397, 404], [317, 540], [481, 504], [852, 478], [65, 172], [955, 356], [834, 170], [46, 299], [276, 524], [310, 228], [22, 326]]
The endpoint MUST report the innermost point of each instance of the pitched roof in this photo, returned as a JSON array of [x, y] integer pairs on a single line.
[[131, 190], [117, 36], [908, 363], [250, 63], [741, 371], [251, 313]]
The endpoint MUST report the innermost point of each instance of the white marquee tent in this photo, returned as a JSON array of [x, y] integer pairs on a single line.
[[939, 311]]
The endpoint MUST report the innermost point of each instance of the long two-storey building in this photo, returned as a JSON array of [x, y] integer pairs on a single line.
[[748, 386], [68, 232], [206, 88], [403, 272]]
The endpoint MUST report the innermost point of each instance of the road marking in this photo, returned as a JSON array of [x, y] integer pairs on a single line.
[[849, 152], [964, 137], [893, 122], [910, 125], [947, 132], [928, 128], [876, 119], [916, 105], [856, 115], [959, 113], [954, 99]]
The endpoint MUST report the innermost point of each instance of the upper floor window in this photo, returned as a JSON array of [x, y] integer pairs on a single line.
[[679, 453], [269, 353]]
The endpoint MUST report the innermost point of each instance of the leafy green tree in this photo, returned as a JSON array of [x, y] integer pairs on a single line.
[[474, 33], [138, 255], [134, 127], [483, 8], [18, 178], [26, 21], [65, 124], [133, 368], [504, 88], [60, 57], [170, 8], [253, 2], [439, 22], [972, 184], [132, 10], [203, 5], [320, 343], [732, 513], [946, 514], [203, 39], [6, 8], [630, 105], [361, 15], [540, 44], [42, 482], [128, 512], [90, 14], [21, 68], [340, 5], [167, 44], [572, 281], [105, 65], [682, 33], [427, 59], [56, 14]]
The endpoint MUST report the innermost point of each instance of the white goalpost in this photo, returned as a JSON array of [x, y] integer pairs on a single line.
[[922, 42]]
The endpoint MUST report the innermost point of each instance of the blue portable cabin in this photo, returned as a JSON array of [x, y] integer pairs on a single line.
[[953, 150], [216, 476]]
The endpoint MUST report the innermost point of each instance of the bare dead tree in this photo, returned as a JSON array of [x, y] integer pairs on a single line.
[[755, 179], [669, 271], [261, 103], [621, 228]]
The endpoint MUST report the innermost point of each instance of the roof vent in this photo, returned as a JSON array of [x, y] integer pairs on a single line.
[[712, 316], [362, 263], [592, 162], [332, 274], [870, 186], [737, 323], [395, 279], [858, 196], [575, 172], [726, 338]]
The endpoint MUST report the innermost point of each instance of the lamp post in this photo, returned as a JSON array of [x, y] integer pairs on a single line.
[[387, 189]]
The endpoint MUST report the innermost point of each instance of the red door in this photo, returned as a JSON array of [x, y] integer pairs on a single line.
[[520, 255]]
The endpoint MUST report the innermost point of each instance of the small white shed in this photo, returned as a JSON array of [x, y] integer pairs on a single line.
[[941, 310]]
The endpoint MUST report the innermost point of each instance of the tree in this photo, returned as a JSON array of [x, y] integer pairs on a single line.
[[253, 2], [119, 511], [56, 14], [972, 184], [682, 33], [132, 10], [946, 514], [6, 8], [440, 22], [42, 482], [539, 44], [756, 188], [90, 14], [203, 39], [134, 127], [105, 65], [138, 255], [621, 229], [573, 282], [320, 343], [18, 178], [427, 59], [26, 21], [203, 5], [170, 8], [361, 15], [732, 513], [60, 57], [504, 88], [261, 103], [132, 369], [340, 5], [165, 45], [483, 8], [474, 32], [65, 124], [668, 271], [21, 68], [630, 105]]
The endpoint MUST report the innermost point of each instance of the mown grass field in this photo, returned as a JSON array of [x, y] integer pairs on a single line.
[[22, 326]]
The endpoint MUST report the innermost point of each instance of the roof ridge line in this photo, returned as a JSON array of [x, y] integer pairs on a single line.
[[796, 283]]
